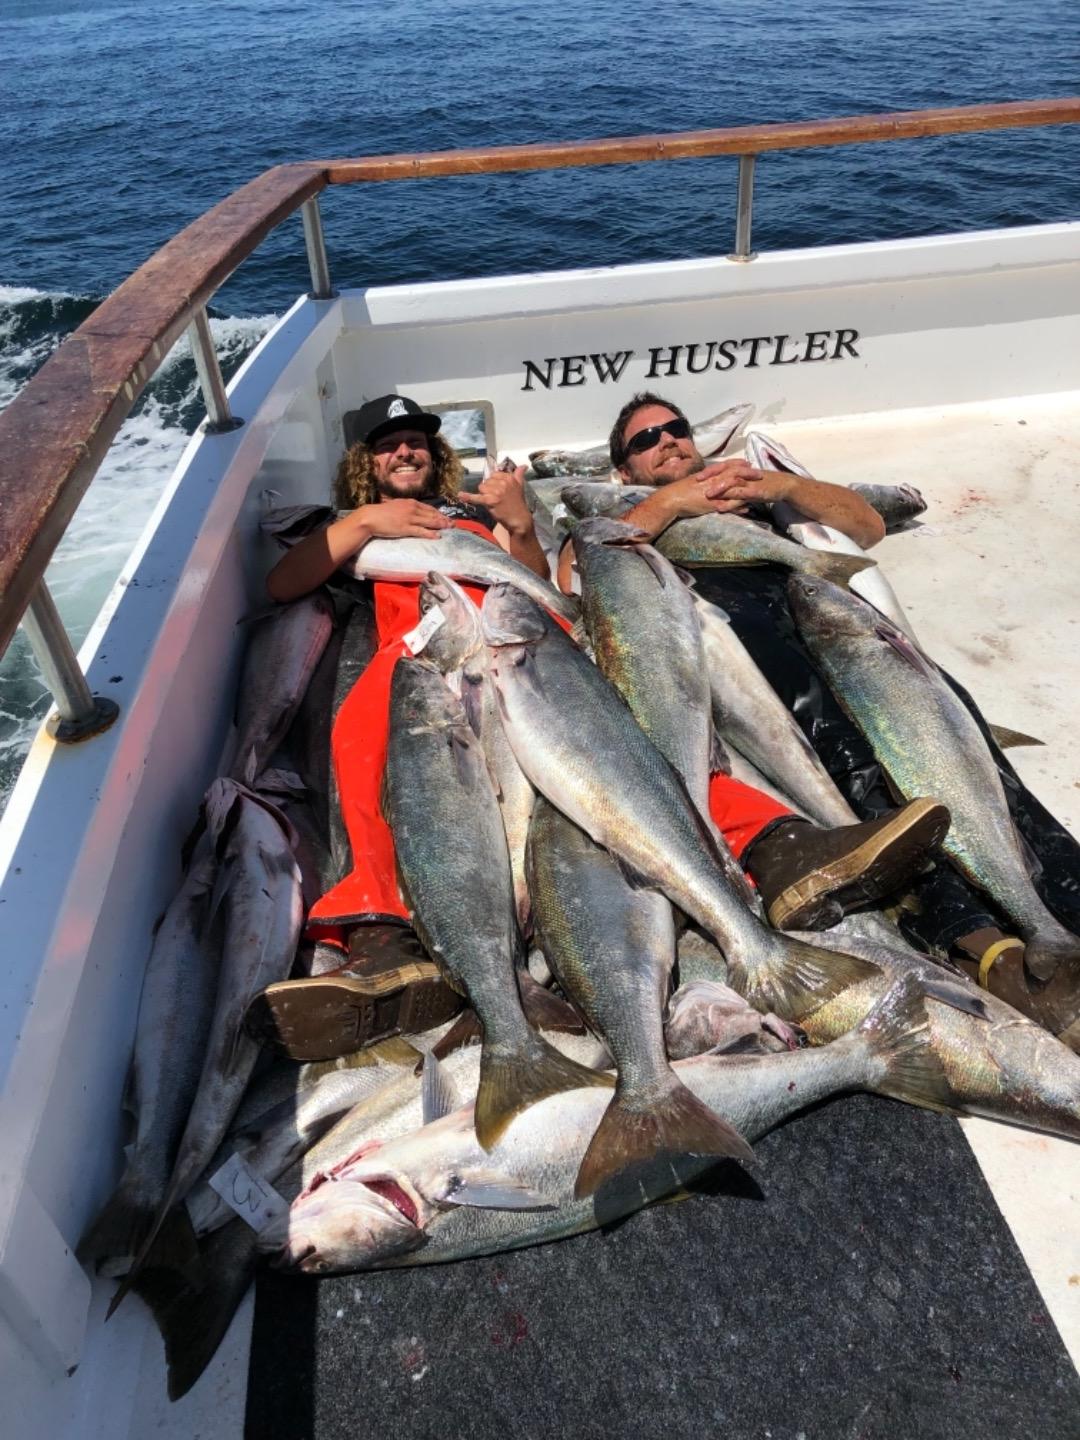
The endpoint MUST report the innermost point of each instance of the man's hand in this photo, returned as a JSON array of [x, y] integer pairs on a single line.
[[712, 490], [396, 520], [503, 493], [737, 490]]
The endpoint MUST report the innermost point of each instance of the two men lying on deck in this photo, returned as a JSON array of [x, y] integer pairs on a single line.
[[370, 976]]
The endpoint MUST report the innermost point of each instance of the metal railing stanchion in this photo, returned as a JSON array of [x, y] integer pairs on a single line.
[[744, 210], [80, 714], [321, 289], [219, 417]]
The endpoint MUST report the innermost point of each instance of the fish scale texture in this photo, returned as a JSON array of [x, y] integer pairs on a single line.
[[873, 1292]]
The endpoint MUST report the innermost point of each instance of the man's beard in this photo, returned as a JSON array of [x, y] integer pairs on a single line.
[[387, 489], [694, 464]]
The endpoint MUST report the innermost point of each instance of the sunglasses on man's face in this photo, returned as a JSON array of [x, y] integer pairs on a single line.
[[646, 439]]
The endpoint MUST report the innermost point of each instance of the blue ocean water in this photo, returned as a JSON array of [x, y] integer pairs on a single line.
[[121, 122]]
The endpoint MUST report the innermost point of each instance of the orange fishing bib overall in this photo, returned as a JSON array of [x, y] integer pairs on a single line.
[[358, 749]]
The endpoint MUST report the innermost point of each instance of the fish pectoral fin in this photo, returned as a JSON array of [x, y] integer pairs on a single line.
[[437, 1094], [909, 653], [633, 877], [957, 996], [1009, 739], [487, 1190], [719, 759]]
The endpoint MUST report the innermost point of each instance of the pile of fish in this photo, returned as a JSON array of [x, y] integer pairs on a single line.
[[547, 787]]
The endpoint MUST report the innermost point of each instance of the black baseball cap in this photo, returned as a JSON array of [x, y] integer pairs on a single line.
[[392, 412]]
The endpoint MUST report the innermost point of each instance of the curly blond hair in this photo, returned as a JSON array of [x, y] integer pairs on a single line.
[[354, 484]]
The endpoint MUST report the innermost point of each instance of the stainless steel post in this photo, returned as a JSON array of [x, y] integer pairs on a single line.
[[80, 713], [744, 210], [219, 417], [321, 289]]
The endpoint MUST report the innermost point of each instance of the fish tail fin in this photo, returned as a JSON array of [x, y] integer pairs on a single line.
[[675, 1123], [837, 567], [897, 1032], [165, 1245], [193, 1318], [512, 1080], [793, 979], [121, 1227]]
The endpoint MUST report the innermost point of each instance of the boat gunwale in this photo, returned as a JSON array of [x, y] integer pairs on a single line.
[[56, 432]]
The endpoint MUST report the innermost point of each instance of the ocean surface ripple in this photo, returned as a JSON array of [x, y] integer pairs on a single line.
[[121, 123]]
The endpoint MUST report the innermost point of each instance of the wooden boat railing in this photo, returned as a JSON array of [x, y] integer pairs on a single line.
[[56, 432]]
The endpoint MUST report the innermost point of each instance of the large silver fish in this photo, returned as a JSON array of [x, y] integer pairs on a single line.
[[753, 719], [395, 1205], [928, 743], [871, 584], [715, 539], [457, 649], [612, 949], [175, 1009], [580, 746], [646, 639], [462, 555], [284, 648], [258, 905], [193, 1314], [997, 1062], [452, 856]]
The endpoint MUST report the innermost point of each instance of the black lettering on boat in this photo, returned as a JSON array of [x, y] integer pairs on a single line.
[[610, 367], [573, 370], [779, 358], [816, 348], [844, 341], [667, 355], [726, 351], [533, 372], [755, 342], [693, 365]]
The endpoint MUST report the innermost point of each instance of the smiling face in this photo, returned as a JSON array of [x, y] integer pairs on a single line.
[[404, 469], [670, 458]]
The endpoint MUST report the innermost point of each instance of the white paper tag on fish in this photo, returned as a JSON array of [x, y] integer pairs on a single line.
[[416, 639], [559, 512], [253, 1199]]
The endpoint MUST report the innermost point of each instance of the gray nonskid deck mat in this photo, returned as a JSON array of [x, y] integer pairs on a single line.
[[872, 1291]]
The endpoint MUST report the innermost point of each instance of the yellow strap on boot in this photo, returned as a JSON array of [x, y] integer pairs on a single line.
[[993, 954]]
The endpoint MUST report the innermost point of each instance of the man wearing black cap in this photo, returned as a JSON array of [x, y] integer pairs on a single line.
[[400, 479]]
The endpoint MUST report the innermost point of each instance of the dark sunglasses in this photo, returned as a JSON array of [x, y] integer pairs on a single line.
[[646, 439]]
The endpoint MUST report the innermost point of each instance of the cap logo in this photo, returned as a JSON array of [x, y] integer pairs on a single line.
[[397, 407]]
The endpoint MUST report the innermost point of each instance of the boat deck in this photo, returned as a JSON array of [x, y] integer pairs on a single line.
[[889, 1279]]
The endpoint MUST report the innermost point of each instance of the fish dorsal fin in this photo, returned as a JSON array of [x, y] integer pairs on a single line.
[[437, 1094], [1009, 739]]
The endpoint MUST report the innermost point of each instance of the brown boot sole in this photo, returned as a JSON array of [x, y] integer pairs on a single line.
[[333, 1015], [881, 864]]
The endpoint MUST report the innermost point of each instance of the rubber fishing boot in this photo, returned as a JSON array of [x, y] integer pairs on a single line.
[[995, 961], [386, 987], [809, 877]]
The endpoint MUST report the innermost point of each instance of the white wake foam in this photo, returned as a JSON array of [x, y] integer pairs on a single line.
[[118, 503]]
